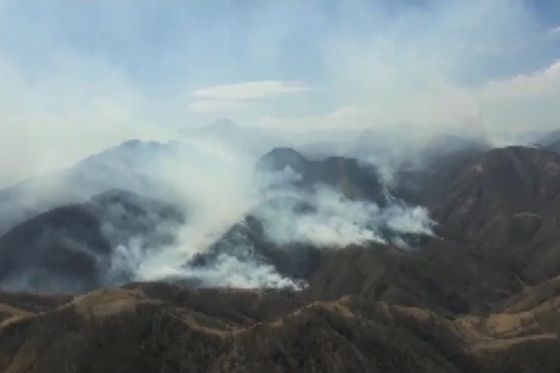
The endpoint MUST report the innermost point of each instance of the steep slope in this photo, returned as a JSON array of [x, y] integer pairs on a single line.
[[356, 180], [442, 276], [548, 141], [496, 215], [76, 247], [424, 177], [131, 166], [447, 273], [507, 201], [503, 181], [298, 222]]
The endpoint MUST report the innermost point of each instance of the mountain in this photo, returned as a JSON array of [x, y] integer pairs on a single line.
[[423, 177], [433, 274], [484, 229], [507, 201], [129, 166], [354, 179], [484, 188], [477, 292], [548, 141], [174, 329], [289, 194], [75, 248], [491, 239]]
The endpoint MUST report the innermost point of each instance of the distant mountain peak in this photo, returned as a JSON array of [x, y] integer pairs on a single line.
[[223, 123], [279, 158]]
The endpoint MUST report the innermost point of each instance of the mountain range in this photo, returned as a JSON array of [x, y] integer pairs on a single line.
[[453, 266]]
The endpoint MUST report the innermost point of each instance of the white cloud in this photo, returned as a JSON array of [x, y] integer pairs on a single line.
[[251, 90], [519, 102], [538, 82], [553, 33], [528, 100], [228, 98]]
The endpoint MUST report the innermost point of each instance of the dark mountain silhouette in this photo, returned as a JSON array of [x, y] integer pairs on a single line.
[[70, 248], [354, 179], [131, 166], [507, 202], [424, 177], [548, 141]]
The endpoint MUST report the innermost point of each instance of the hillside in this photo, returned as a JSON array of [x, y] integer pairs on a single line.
[[480, 293], [176, 329]]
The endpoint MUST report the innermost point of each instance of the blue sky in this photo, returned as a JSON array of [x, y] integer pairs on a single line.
[[110, 69], [168, 43]]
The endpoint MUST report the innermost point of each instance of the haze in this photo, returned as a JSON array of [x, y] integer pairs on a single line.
[[77, 77]]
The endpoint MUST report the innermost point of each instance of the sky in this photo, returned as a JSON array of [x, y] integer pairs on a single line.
[[77, 76]]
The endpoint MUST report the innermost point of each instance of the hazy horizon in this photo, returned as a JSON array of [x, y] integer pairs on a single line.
[[78, 77]]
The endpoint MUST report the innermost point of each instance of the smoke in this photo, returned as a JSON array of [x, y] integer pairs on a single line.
[[221, 190], [331, 220], [230, 271], [325, 218], [215, 187], [401, 218]]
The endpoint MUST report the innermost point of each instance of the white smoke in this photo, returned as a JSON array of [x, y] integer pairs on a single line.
[[214, 186], [334, 221], [401, 218], [220, 189], [217, 188], [229, 271]]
